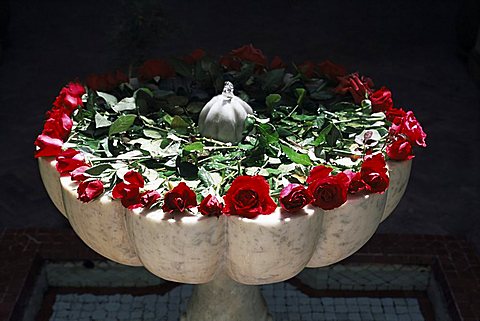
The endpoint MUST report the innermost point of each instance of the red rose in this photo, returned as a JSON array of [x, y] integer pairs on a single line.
[[211, 206], [180, 198], [156, 68], [250, 53], [410, 127], [78, 174], [277, 63], [70, 97], [68, 160], [129, 194], [331, 70], [148, 198], [106, 82], [129, 190], [195, 56], [318, 172], [294, 197], [58, 125], [400, 149], [249, 196], [329, 192], [374, 173], [307, 69], [356, 185], [381, 100], [395, 114], [358, 87], [47, 146], [229, 63], [88, 190]]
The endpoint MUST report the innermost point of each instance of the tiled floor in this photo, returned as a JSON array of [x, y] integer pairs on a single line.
[[285, 303]]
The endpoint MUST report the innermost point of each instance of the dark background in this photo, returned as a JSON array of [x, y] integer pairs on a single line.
[[418, 49]]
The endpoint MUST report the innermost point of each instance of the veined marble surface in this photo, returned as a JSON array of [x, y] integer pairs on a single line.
[[191, 248], [399, 174]]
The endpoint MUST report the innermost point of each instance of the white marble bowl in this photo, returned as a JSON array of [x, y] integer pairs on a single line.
[[194, 249]]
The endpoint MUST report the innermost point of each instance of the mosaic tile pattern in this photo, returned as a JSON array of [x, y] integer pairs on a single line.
[[367, 277], [284, 301]]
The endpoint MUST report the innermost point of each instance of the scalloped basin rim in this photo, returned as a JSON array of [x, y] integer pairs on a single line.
[[191, 248]]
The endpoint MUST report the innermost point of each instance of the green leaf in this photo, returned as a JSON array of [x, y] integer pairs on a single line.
[[98, 169], [272, 99], [101, 121], [194, 146], [269, 133], [179, 124], [181, 67], [300, 94], [109, 99], [333, 136], [123, 123], [168, 119], [152, 133], [127, 103], [295, 157], [321, 138], [273, 79], [205, 177]]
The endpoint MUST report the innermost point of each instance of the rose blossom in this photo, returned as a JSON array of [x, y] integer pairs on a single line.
[[294, 197], [330, 191], [400, 149], [249, 53], [277, 63], [79, 174], [156, 68], [307, 69], [148, 198], [47, 146], [381, 100], [180, 198], [395, 114], [374, 173], [331, 70], [106, 82], [249, 196], [410, 127], [358, 87], [58, 125], [195, 56], [356, 185], [230, 63], [318, 172], [68, 160], [70, 97], [129, 190], [211, 206], [88, 190]]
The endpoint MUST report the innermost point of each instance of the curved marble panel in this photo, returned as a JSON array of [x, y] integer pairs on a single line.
[[347, 228], [399, 174], [271, 248], [100, 224], [51, 181], [182, 248]]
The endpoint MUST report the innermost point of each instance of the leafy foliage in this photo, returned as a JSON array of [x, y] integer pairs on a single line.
[[299, 123]]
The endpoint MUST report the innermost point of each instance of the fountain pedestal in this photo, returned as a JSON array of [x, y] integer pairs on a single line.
[[223, 299]]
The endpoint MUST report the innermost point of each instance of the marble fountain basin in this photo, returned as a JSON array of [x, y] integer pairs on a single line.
[[194, 249]]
